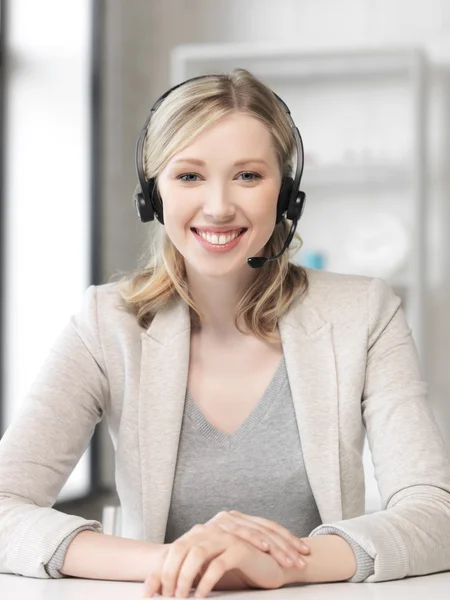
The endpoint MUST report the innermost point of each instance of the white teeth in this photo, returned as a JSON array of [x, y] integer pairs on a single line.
[[218, 239]]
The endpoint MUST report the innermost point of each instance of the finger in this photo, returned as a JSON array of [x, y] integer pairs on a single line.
[[195, 564], [255, 538], [152, 583], [250, 534], [215, 571], [152, 586], [257, 535], [173, 563], [280, 550], [296, 542]]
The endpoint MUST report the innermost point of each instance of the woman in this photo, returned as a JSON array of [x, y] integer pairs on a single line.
[[237, 398]]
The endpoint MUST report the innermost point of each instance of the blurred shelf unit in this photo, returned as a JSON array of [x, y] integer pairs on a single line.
[[358, 174], [296, 74], [289, 62]]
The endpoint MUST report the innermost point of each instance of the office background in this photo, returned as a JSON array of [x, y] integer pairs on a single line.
[[78, 79]]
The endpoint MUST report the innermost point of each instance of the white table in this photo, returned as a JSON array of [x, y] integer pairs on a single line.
[[434, 587]]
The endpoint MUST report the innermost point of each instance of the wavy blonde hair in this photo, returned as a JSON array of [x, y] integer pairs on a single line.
[[181, 117]]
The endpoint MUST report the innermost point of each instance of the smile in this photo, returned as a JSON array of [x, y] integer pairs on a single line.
[[219, 242]]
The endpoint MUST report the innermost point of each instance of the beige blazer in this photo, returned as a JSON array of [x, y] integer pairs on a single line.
[[352, 365]]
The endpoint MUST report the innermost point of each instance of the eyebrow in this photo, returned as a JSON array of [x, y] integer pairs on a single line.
[[238, 163]]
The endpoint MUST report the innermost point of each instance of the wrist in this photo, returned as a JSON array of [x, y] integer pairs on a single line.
[[331, 558], [149, 557]]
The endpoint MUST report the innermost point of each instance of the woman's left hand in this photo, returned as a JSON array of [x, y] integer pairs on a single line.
[[264, 534]]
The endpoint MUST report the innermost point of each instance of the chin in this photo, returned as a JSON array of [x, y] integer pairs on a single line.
[[218, 269]]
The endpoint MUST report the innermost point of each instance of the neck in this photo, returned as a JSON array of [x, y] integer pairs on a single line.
[[217, 299]]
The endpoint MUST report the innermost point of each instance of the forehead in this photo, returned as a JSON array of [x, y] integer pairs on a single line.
[[235, 137]]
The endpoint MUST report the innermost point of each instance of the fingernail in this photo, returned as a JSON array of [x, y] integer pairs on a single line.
[[301, 562], [265, 545]]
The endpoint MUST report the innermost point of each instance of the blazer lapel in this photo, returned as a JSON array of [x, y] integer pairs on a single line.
[[310, 363], [164, 371]]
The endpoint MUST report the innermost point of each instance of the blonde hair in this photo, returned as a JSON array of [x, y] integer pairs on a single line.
[[180, 118]]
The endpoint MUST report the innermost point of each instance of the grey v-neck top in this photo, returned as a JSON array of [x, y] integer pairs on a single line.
[[257, 470], [245, 471]]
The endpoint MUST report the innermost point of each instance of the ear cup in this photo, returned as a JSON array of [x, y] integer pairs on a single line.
[[283, 197], [296, 206], [149, 204], [144, 209]]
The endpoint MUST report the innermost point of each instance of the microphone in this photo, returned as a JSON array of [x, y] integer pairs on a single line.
[[256, 262]]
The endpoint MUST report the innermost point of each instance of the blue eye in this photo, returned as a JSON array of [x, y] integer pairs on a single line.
[[187, 175], [253, 175]]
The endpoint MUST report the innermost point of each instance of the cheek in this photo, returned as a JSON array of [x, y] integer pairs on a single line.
[[263, 212], [176, 211], [177, 216], [174, 226]]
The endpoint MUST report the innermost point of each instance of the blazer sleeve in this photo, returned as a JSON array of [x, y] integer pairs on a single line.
[[411, 534], [40, 449]]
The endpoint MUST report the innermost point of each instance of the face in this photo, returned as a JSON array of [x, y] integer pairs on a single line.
[[224, 184]]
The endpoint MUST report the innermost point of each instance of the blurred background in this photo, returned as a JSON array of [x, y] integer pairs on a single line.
[[368, 85]]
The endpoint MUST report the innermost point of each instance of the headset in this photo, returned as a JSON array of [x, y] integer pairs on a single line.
[[291, 201]]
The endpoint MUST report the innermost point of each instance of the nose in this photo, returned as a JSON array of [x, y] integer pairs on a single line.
[[218, 205]]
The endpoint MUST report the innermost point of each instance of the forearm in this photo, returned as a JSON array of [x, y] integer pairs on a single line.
[[331, 559], [93, 555]]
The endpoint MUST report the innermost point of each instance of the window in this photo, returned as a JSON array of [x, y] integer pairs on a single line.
[[46, 190]]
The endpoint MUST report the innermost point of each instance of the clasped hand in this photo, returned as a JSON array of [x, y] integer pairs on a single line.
[[253, 550]]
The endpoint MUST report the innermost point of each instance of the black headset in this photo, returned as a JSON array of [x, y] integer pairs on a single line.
[[291, 201]]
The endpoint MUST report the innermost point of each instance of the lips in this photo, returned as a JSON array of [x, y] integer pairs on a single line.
[[210, 247]]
